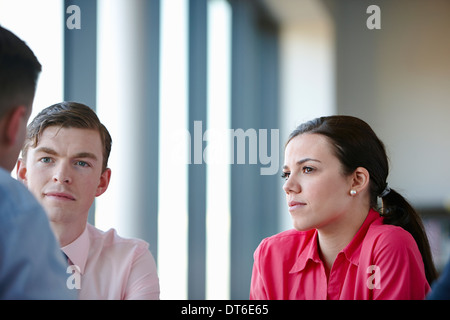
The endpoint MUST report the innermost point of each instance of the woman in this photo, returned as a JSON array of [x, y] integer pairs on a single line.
[[342, 248]]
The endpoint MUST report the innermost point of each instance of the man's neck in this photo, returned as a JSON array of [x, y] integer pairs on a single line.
[[334, 238], [66, 233]]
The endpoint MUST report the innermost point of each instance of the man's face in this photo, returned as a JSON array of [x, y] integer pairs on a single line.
[[64, 172]]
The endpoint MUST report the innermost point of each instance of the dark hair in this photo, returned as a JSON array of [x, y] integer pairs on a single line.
[[19, 70], [357, 145], [67, 115]]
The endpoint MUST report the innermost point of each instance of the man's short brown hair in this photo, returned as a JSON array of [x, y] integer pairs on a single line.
[[67, 115]]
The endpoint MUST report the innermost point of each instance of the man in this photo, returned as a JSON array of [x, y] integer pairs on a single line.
[[440, 289], [31, 263], [65, 165]]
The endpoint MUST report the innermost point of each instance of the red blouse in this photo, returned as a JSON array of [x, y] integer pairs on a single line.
[[381, 262]]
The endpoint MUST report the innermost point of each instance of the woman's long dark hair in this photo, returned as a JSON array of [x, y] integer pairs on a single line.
[[357, 145]]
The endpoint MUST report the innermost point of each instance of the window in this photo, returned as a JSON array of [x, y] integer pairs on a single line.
[[42, 18], [218, 172], [173, 151]]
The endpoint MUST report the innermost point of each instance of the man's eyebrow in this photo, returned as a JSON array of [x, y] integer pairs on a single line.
[[77, 155], [46, 150], [302, 161], [86, 155]]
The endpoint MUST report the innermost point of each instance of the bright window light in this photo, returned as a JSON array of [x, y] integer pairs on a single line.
[[41, 25], [173, 151], [110, 93], [218, 172]]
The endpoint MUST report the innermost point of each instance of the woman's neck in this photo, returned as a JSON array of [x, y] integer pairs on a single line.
[[335, 237]]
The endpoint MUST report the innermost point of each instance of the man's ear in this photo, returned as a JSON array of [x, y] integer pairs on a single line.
[[360, 179], [21, 171], [104, 182], [13, 124]]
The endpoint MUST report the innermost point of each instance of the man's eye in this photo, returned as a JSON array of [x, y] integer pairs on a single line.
[[82, 164], [45, 160]]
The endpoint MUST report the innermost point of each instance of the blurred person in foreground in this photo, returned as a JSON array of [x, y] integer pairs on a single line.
[[441, 287], [32, 266]]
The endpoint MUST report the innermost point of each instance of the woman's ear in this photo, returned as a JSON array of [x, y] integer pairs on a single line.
[[360, 179]]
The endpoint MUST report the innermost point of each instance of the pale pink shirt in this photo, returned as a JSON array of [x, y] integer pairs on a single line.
[[111, 267], [381, 262]]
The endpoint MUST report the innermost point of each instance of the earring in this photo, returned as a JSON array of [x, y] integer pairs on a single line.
[[352, 192]]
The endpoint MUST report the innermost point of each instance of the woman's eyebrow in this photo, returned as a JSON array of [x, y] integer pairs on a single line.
[[302, 161]]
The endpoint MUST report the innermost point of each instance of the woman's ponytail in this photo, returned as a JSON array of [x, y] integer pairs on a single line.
[[397, 211]]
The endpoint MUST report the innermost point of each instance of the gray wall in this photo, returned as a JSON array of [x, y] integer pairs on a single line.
[[398, 79]]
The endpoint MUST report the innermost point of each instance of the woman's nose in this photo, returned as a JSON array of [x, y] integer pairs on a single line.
[[291, 185]]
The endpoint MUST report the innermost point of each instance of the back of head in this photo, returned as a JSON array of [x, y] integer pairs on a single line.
[[356, 145], [67, 115], [19, 71]]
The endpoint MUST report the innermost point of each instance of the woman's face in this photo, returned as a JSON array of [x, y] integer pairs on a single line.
[[317, 191]]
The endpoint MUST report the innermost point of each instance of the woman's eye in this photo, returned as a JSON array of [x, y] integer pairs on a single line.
[[285, 175], [307, 169]]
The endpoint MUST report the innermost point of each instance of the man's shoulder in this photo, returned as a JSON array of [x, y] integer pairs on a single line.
[[24, 233], [12, 189], [111, 239], [16, 200]]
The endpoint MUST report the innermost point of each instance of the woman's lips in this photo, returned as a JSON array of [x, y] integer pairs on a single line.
[[293, 205]]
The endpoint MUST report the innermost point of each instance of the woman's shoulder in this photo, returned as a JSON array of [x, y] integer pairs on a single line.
[[287, 241], [289, 236], [386, 235]]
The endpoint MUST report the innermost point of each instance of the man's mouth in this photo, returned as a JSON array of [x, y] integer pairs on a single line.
[[60, 196]]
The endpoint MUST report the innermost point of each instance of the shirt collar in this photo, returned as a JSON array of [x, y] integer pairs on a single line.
[[312, 253], [351, 251], [77, 251]]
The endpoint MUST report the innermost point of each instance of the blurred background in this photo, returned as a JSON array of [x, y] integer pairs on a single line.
[[151, 68]]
